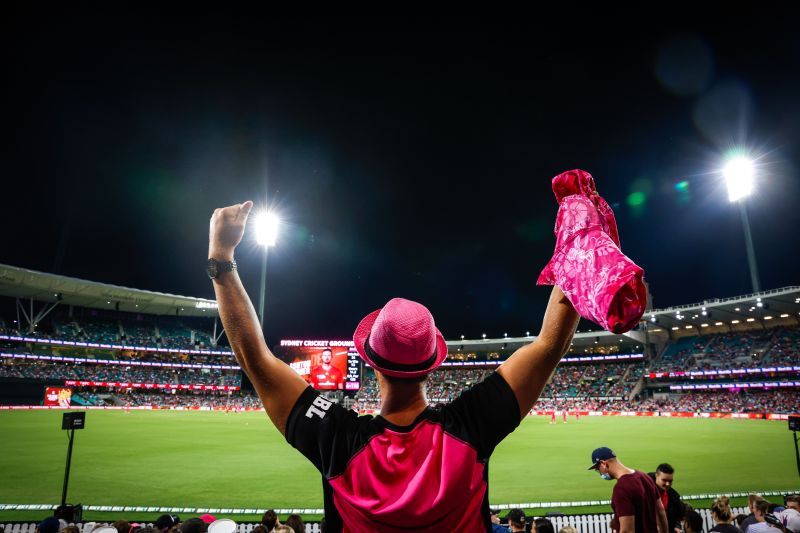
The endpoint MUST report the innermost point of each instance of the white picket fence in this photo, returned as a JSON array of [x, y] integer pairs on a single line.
[[584, 523]]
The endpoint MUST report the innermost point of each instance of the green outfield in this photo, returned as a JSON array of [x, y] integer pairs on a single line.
[[213, 460]]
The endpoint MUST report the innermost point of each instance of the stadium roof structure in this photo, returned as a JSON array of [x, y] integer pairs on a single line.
[[720, 315], [53, 289]]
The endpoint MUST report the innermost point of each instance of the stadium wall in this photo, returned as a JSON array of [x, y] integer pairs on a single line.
[[665, 414]]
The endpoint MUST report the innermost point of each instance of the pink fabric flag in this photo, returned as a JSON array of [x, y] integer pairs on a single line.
[[602, 283]]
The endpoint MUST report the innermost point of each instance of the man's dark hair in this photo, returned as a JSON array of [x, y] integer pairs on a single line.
[[543, 525], [762, 506], [193, 525], [695, 521], [269, 519], [665, 468], [327, 350]]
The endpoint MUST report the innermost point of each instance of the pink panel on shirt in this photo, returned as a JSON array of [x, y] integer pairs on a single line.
[[422, 480]]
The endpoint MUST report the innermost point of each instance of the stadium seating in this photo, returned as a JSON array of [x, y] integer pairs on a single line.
[[117, 373], [606, 385]]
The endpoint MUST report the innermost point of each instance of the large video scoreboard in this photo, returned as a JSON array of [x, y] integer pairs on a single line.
[[324, 364]]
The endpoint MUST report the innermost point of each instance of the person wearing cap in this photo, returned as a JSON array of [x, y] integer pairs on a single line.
[[635, 499], [412, 467], [494, 518], [49, 525], [516, 520]]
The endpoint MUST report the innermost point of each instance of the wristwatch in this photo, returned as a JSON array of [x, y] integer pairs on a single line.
[[214, 268]]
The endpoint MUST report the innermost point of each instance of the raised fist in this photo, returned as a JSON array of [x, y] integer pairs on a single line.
[[226, 230]]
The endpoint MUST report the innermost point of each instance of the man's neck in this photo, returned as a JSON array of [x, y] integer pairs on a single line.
[[402, 403], [617, 470]]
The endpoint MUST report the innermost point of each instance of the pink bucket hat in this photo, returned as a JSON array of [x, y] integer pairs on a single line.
[[602, 283], [400, 340]]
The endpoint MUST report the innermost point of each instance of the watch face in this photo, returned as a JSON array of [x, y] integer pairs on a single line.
[[212, 269]]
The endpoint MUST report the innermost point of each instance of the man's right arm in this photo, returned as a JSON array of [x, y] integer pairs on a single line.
[[530, 367], [276, 383]]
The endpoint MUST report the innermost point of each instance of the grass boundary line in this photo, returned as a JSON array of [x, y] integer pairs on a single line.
[[198, 510]]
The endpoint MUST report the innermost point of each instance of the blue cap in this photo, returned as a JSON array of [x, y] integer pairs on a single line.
[[601, 454]]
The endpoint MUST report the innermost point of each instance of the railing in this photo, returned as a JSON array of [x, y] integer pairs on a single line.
[[584, 523]]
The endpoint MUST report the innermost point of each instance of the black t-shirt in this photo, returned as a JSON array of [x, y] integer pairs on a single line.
[[431, 475], [725, 528]]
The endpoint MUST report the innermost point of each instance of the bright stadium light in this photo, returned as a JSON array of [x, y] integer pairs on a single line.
[[266, 226], [739, 172]]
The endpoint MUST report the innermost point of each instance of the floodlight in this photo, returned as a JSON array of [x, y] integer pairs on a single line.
[[266, 225], [738, 174]]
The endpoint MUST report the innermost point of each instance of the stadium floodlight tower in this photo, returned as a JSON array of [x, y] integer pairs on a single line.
[[266, 226], [739, 172]]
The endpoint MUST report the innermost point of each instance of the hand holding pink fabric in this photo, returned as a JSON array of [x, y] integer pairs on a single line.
[[603, 284]]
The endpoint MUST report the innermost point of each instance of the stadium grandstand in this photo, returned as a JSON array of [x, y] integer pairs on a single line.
[[118, 347]]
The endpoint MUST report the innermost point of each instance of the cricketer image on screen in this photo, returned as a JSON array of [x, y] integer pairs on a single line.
[[325, 365], [57, 397]]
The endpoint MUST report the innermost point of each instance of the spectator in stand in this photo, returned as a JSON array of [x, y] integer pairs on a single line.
[[568, 529], [71, 529], [752, 500], [166, 521], [193, 525], [516, 520], [281, 528], [790, 518], [635, 499], [670, 499], [543, 525], [793, 502], [261, 528], [494, 518], [693, 522], [760, 511], [722, 516], [296, 523], [269, 520], [49, 525], [122, 526]]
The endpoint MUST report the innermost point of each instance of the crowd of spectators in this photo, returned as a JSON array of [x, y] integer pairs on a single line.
[[130, 333], [763, 517], [117, 373], [777, 346], [745, 401]]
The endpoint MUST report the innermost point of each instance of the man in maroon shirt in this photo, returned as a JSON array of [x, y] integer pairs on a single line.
[[635, 500]]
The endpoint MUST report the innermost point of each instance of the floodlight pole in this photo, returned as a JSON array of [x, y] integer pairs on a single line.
[[751, 252], [263, 286]]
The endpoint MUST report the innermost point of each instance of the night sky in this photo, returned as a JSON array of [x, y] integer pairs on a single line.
[[408, 156]]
